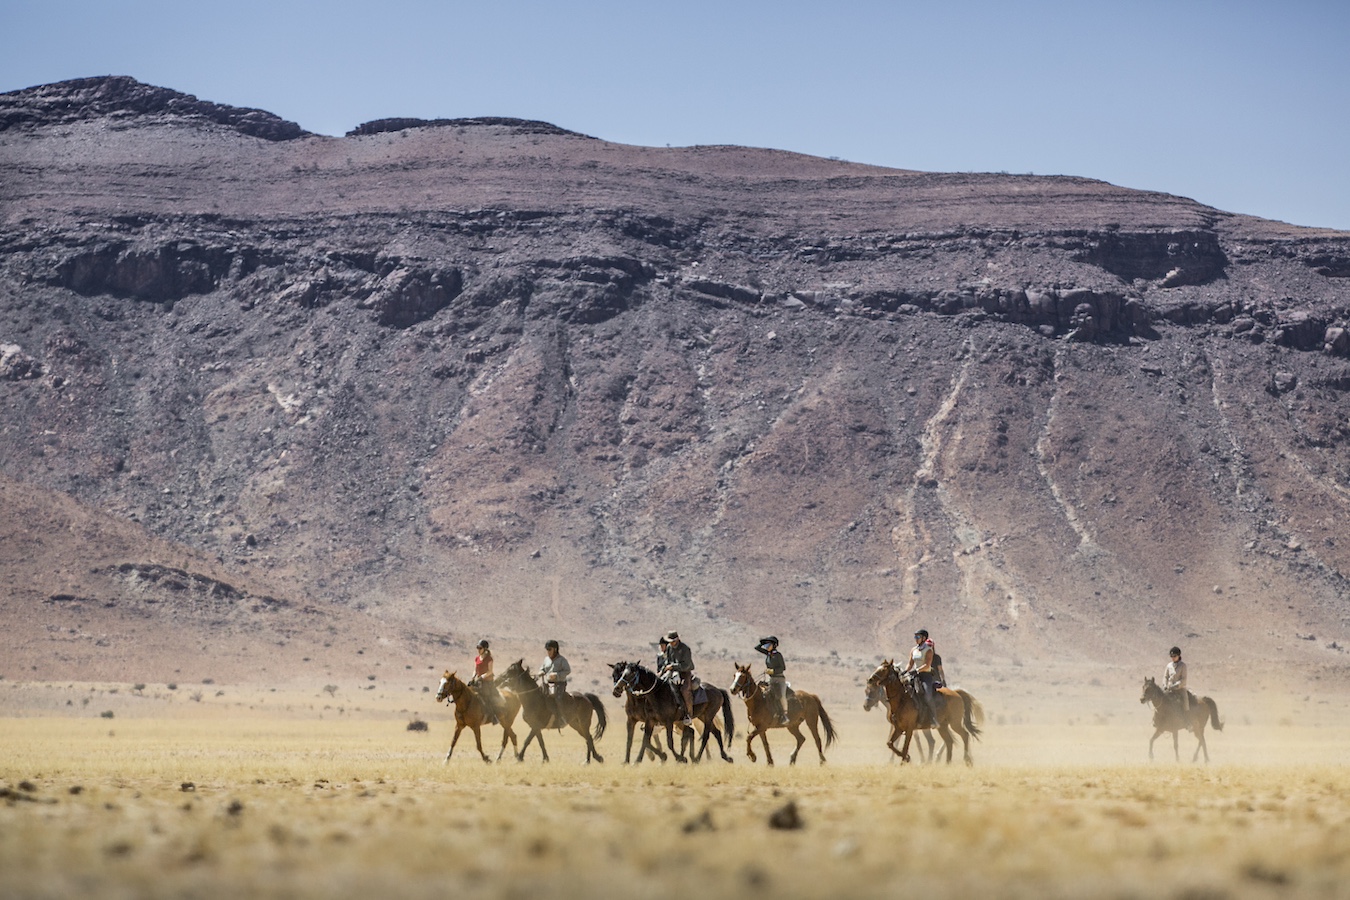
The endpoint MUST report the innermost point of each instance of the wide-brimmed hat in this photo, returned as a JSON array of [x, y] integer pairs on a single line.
[[672, 635]]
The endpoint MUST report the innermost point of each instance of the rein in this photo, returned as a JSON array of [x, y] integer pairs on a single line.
[[637, 676]]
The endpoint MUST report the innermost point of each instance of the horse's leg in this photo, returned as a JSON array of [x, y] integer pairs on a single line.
[[459, 726], [581, 723], [750, 742], [813, 722], [796, 729], [628, 752], [478, 739], [1156, 735], [670, 743], [1176, 746], [1200, 736], [764, 739], [948, 740], [520, 754], [542, 749]]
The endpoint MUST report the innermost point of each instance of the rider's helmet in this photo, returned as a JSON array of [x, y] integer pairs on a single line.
[[663, 640], [1175, 651], [922, 632], [769, 640], [482, 645], [550, 644]]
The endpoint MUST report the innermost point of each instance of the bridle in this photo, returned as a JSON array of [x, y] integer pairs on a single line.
[[744, 684], [447, 692], [631, 679]]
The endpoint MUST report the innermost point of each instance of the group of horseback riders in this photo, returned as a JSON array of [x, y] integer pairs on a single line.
[[674, 663]]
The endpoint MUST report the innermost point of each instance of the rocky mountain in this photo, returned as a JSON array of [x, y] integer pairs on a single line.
[[492, 377]]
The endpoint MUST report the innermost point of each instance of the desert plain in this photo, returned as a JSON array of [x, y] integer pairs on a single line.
[[225, 790]]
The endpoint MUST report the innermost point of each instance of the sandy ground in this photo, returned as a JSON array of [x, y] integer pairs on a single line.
[[301, 792]]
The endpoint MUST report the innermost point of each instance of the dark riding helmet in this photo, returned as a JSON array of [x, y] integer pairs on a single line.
[[1175, 651], [663, 641], [922, 632], [550, 644], [769, 640], [482, 645]]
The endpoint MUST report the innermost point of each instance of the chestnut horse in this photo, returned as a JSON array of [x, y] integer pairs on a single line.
[[802, 707], [957, 711], [874, 694], [1168, 715], [537, 711], [471, 712], [657, 702]]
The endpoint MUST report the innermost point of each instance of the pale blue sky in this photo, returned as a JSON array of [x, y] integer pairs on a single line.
[[1239, 104]]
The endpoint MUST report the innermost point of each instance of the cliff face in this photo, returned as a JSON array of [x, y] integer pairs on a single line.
[[490, 376]]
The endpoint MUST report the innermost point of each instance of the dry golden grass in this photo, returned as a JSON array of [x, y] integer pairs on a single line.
[[284, 806]]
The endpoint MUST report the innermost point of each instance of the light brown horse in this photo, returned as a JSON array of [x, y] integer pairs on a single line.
[[802, 707], [957, 711], [537, 710], [1168, 715], [471, 712]]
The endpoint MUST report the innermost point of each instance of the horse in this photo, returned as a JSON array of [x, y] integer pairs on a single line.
[[657, 702], [801, 707], [1168, 715], [875, 693], [471, 711], [957, 711], [576, 709], [635, 708]]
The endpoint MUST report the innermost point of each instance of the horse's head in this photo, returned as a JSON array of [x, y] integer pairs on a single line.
[[882, 673], [744, 682], [616, 673], [516, 673], [448, 684], [873, 696], [1151, 690]]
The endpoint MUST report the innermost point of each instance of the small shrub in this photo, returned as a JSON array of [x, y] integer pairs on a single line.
[[138, 688], [107, 714], [417, 725], [172, 685]]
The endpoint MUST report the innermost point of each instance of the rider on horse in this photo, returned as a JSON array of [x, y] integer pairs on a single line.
[[1174, 679], [555, 671], [776, 669], [921, 667], [679, 668], [483, 681]]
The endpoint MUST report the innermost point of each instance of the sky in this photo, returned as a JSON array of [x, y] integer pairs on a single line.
[[1238, 104]]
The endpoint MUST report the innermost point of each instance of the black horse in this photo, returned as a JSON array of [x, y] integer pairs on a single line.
[[537, 710], [659, 703]]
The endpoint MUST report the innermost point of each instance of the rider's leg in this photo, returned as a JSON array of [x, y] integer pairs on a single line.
[[779, 688], [926, 679], [687, 695]]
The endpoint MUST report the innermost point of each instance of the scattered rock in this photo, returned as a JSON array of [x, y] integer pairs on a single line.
[[786, 817]]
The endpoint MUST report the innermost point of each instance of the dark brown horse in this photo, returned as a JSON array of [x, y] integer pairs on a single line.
[[801, 707], [471, 712], [537, 710], [957, 711], [656, 702], [1168, 715]]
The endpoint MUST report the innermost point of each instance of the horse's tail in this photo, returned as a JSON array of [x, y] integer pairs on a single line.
[[974, 713], [600, 718], [1213, 713], [829, 726], [728, 717]]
